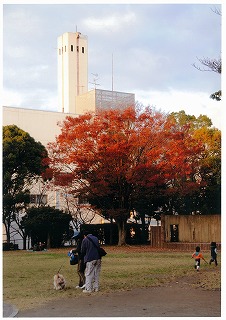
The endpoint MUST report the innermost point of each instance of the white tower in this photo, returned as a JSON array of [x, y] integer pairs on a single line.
[[72, 53]]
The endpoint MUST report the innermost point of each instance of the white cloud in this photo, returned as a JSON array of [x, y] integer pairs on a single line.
[[37, 72], [38, 76], [20, 21], [12, 98], [114, 21], [41, 99], [192, 103], [15, 52]]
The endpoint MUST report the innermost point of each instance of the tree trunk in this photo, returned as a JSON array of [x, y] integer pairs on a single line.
[[28, 242], [121, 232], [24, 242], [48, 241], [7, 233]]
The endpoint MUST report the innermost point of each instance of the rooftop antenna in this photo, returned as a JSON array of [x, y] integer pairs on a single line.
[[95, 80]]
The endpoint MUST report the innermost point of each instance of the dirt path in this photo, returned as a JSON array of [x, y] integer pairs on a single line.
[[175, 299]]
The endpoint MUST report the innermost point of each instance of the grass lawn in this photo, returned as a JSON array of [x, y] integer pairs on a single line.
[[28, 276]]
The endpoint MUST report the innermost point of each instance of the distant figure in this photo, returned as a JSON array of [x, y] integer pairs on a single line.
[[90, 246], [42, 246], [213, 252], [197, 255]]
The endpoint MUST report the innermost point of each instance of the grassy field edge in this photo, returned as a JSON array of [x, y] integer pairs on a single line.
[[28, 275]]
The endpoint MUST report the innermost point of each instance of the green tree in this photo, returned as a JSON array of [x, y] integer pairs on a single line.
[[47, 224], [182, 119], [23, 162]]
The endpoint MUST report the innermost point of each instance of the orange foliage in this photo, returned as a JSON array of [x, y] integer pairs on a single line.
[[114, 152]]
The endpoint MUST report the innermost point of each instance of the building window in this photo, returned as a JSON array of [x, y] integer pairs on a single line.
[[59, 52], [83, 50], [65, 48], [77, 48], [38, 199], [62, 50], [72, 47]]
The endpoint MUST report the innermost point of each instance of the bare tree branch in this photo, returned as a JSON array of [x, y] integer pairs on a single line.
[[217, 11], [212, 65]]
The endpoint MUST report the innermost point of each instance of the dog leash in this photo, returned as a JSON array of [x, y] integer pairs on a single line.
[[60, 268]]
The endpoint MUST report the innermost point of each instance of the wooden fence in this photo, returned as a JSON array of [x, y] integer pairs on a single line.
[[155, 236], [186, 232]]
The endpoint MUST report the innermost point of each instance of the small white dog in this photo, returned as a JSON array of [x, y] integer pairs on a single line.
[[59, 281]]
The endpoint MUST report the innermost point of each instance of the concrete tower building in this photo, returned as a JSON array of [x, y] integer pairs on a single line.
[[72, 70]]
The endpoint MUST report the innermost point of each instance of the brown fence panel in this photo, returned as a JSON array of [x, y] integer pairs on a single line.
[[197, 228], [155, 236]]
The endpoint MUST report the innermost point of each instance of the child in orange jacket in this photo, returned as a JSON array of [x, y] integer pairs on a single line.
[[197, 255]]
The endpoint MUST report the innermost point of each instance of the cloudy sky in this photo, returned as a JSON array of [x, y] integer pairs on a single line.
[[153, 48]]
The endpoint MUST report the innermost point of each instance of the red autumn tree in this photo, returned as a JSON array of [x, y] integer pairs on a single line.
[[111, 157]]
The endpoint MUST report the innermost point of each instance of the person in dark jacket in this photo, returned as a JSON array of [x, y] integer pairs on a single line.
[[78, 236], [89, 249], [213, 252]]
